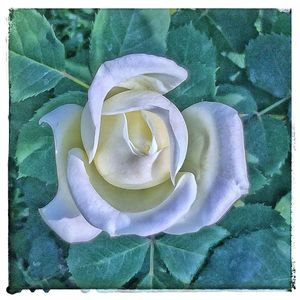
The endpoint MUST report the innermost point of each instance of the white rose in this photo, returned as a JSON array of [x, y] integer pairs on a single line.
[[130, 163]]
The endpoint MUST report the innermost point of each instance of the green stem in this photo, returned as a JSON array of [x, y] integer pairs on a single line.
[[279, 102], [76, 80]]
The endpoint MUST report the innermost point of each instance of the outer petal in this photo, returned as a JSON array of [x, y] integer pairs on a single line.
[[166, 110], [158, 74], [216, 156], [61, 214], [89, 191]]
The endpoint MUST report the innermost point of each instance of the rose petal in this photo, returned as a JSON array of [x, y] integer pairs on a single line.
[[91, 194], [158, 73], [61, 214], [119, 163], [216, 156], [166, 110]]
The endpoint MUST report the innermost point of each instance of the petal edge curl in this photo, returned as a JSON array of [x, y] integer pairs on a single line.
[[216, 132], [162, 107], [84, 185], [115, 73], [61, 214]]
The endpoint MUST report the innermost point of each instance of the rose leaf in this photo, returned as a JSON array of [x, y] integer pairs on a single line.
[[43, 266], [260, 259], [36, 56], [267, 143], [284, 207], [107, 262], [283, 24], [238, 97], [185, 254], [157, 275], [268, 63], [35, 152], [251, 217], [118, 32], [232, 27], [194, 51], [256, 178], [19, 114], [278, 186]]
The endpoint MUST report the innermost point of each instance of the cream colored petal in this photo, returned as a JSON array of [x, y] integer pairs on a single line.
[[158, 129], [216, 156], [120, 163], [166, 110], [139, 132], [160, 73], [61, 214], [92, 195]]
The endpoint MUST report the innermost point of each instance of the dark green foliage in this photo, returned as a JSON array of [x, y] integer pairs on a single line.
[[95, 264], [185, 254], [268, 61], [267, 143], [259, 259], [118, 32], [251, 217]]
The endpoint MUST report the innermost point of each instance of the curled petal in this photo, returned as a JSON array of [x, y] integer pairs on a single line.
[[61, 214], [134, 71], [92, 195], [119, 163], [154, 102], [216, 156]]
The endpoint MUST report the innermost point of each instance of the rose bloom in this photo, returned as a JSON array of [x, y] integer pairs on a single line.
[[130, 162]]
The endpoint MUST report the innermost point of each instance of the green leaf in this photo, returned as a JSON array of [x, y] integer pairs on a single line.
[[72, 26], [227, 71], [251, 217], [36, 58], [267, 141], [268, 62], [35, 143], [237, 97], [21, 240], [185, 254], [160, 280], [199, 85], [235, 27], [256, 178], [16, 278], [43, 266], [66, 85], [157, 276], [186, 16], [79, 66], [107, 262], [279, 185], [194, 51], [36, 194], [267, 18], [230, 29], [284, 207], [118, 32], [40, 164], [20, 113], [283, 24], [260, 259], [237, 58], [186, 46]]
